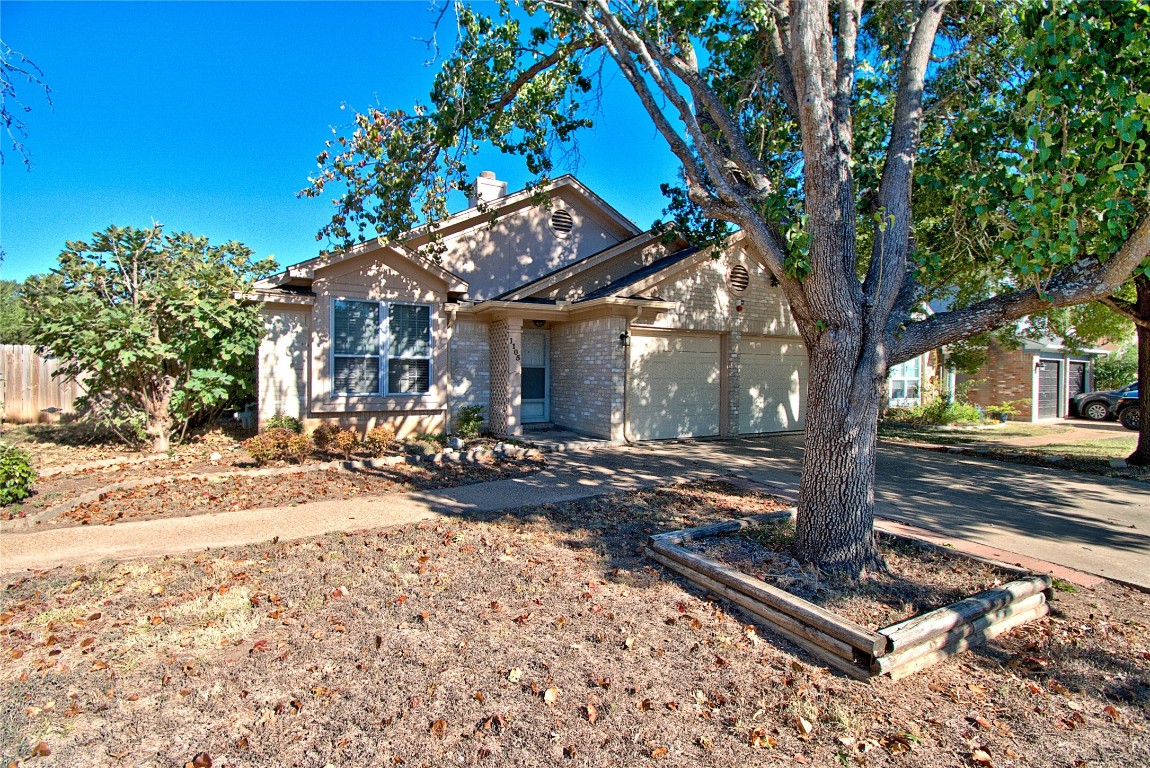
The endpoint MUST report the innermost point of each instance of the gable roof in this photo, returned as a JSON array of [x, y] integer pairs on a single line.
[[640, 276], [303, 273], [300, 275], [556, 276]]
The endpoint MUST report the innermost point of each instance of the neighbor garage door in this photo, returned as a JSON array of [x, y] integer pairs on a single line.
[[772, 385], [673, 387], [1049, 375]]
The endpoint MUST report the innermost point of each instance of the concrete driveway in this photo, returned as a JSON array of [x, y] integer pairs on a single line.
[[1093, 524]]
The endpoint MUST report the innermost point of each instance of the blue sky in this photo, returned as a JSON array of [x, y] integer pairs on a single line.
[[207, 117]]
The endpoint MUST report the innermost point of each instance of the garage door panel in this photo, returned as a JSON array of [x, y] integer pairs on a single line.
[[673, 387], [773, 386]]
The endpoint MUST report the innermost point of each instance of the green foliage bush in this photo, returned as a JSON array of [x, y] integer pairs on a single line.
[[1117, 370], [379, 440], [345, 442], [419, 447], [468, 422], [16, 474], [940, 411], [280, 421]]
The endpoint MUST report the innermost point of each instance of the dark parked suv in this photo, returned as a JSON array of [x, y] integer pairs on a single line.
[[1128, 413], [1099, 406]]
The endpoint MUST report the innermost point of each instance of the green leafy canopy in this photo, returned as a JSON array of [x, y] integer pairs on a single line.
[[151, 324]]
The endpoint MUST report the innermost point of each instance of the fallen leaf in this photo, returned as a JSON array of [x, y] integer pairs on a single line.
[[41, 750], [1112, 713], [803, 726], [592, 713], [551, 695], [202, 760], [760, 738], [658, 753], [438, 729], [515, 675], [980, 756]]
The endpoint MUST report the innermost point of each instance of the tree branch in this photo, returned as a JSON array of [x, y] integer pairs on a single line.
[[1088, 280], [891, 242]]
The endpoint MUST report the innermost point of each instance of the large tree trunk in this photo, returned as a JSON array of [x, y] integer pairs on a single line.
[[1141, 455], [836, 492]]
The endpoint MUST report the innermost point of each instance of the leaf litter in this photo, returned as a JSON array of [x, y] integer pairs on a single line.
[[258, 662]]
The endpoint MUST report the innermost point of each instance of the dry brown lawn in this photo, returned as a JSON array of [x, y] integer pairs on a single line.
[[537, 638]]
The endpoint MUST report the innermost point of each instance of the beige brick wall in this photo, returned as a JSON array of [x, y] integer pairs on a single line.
[[470, 368], [587, 364], [706, 303], [282, 362]]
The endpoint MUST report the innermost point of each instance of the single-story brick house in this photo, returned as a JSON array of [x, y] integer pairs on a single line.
[[1043, 372], [563, 313]]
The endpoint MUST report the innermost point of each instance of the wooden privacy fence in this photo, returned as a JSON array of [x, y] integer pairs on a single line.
[[28, 390]]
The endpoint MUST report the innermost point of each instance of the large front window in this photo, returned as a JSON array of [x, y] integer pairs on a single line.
[[904, 382], [359, 341]]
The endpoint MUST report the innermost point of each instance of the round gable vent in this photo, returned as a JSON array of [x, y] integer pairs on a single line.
[[562, 222], [739, 279]]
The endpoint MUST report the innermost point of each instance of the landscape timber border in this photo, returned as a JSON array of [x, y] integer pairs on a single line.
[[864, 654]]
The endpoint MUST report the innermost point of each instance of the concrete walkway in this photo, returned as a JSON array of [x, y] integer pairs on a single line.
[[1092, 524]]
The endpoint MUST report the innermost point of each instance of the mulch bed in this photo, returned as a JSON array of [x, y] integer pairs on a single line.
[[540, 638], [917, 579], [184, 497]]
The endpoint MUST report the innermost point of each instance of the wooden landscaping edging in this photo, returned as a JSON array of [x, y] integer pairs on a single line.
[[894, 651]]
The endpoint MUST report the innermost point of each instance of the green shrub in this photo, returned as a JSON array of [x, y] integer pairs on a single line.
[[16, 474], [419, 447], [345, 442], [323, 435], [280, 421], [468, 421], [379, 440]]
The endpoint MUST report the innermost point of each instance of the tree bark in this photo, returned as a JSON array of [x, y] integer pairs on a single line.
[[1141, 455], [157, 414], [835, 524]]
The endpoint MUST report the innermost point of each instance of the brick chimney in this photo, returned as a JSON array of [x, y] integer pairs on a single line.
[[487, 188]]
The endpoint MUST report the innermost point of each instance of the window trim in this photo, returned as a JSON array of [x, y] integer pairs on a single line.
[[387, 358], [384, 355], [917, 379]]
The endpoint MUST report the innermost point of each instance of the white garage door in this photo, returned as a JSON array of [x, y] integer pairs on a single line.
[[673, 387], [772, 385]]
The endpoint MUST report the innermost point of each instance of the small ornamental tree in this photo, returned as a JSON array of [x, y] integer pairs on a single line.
[[804, 123], [151, 324]]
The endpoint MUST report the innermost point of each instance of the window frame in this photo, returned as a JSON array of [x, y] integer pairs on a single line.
[[384, 348], [387, 358], [903, 379]]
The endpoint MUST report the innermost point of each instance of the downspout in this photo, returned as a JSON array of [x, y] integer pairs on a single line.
[[447, 394]]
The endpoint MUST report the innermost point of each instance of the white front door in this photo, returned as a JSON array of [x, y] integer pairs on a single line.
[[535, 378]]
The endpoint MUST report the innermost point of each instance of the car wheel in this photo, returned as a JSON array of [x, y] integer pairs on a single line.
[[1131, 418], [1096, 411]]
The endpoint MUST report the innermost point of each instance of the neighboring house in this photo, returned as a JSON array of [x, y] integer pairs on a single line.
[[1042, 373], [917, 380], [563, 314]]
